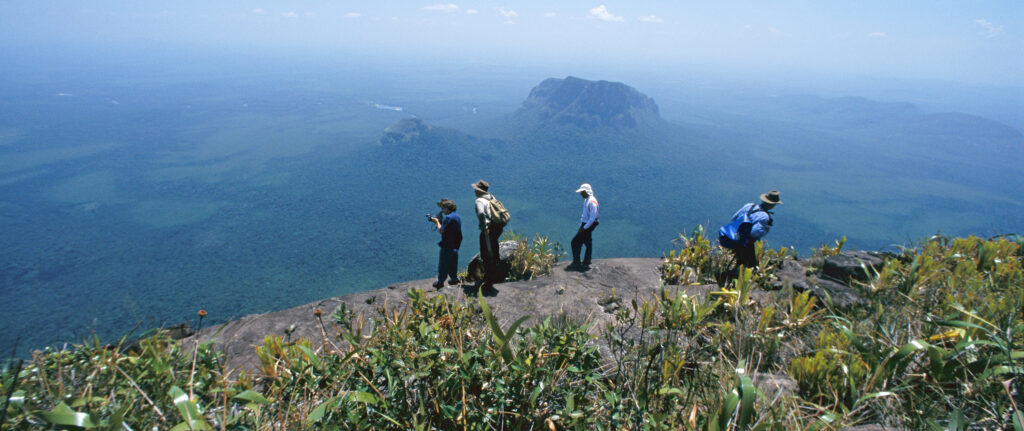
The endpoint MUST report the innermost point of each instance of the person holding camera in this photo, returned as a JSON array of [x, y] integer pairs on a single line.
[[449, 224]]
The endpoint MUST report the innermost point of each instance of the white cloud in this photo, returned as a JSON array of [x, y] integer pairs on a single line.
[[507, 13], [601, 13], [550, 15], [988, 29], [442, 7], [259, 11], [290, 14], [353, 15], [876, 35], [651, 18], [472, 11], [308, 14]]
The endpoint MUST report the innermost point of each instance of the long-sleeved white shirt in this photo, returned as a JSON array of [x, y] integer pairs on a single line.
[[589, 212], [483, 210]]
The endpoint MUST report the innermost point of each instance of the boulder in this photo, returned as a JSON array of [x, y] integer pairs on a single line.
[[772, 384], [822, 285], [853, 265], [839, 293], [794, 273], [506, 249]]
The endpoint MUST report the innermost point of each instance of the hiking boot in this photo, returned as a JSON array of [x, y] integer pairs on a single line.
[[575, 266], [438, 285], [454, 281]]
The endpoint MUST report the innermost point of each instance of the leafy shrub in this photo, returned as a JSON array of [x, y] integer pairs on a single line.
[[532, 258], [696, 262]]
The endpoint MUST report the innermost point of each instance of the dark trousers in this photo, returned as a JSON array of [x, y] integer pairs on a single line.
[[489, 251], [583, 238], [745, 255], [448, 264]]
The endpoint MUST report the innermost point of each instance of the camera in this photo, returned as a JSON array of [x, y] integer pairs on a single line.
[[433, 216]]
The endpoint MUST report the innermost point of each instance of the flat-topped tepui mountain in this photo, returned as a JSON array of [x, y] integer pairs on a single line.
[[587, 104]]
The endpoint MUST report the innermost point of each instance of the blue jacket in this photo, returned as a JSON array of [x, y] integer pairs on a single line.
[[451, 231], [761, 220]]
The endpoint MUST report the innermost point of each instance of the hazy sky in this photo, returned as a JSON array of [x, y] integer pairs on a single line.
[[975, 41]]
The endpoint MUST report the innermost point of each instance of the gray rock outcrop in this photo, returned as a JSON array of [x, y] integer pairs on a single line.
[[853, 265], [835, 282], [592, 296], [579, 296]]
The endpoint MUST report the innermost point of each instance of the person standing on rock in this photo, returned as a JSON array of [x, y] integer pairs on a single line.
[[450, 227], [749, 225], [490, 231], [588, 222]]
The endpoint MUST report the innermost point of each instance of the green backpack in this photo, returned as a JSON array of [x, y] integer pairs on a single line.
[[499, 214]]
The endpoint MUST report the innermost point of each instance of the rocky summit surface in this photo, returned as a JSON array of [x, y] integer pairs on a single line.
[[578, 295], [591, 296]]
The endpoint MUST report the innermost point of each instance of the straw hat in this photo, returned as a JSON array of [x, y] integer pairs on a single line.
[[481, 186], [771, 197]]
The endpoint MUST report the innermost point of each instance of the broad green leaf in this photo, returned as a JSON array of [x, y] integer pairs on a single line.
[[195, 425], [252, 397], [319, 411], [17, 399], [364, 397], [669, 390], [728, 409], [188, 409], [1000, 370], [957, 421], [506, 349], [312, 357], [747, 394], [489, 317], [61, 414], [823, 423]]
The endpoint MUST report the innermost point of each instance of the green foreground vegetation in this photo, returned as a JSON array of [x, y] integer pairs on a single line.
[[939, 347]]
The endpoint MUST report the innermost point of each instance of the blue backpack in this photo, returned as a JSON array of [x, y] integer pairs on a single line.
[[737, 233]]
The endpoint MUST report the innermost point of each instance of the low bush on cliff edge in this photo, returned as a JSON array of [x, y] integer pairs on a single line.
[[939, 348]]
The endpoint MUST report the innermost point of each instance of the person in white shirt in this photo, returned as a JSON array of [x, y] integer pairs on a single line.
[[489, 232], [588, 221]]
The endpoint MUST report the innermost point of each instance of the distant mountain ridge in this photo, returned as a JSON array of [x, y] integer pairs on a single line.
[[586, 103]]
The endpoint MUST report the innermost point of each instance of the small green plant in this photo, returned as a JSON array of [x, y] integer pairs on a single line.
[[697, 260], [532, 258], [826, 250]]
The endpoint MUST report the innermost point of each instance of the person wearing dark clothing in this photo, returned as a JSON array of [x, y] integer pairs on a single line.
[[450, 227], [759, 221], [588, 222], [489, 232]]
